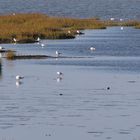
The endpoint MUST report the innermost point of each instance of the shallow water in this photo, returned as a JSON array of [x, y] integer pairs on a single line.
[[127, 9], [78, 106]]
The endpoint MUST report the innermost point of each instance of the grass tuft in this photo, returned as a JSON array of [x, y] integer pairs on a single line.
[[10, 55]]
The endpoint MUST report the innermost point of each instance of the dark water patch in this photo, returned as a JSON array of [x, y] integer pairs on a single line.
[[21, 118], [132, 81], [6, 126], [81, 126], [125, 115], [22, 124], [0, 68], [2, 123], [12, 107], [124, 132], [108, 138], [95, 132], [138, 125], [87, 109], [74, 115], [110, 105]]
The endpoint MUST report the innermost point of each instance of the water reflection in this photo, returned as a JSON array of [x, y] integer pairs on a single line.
[[18, 83], [91, 98], [0, 69], [59, 79]]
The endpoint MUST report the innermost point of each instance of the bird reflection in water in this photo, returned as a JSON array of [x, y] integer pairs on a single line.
[[18, 83], [59, 79]]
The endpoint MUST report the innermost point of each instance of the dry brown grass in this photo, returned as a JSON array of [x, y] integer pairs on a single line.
[[10, 55], [28, 27], [31, 26]]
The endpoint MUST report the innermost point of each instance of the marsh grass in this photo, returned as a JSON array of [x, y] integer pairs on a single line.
[[28, 27]]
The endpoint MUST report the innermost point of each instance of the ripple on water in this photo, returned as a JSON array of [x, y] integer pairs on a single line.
[[124, 132]]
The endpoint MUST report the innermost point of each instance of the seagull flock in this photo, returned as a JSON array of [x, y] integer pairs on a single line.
[[19, 78], [113, 19]]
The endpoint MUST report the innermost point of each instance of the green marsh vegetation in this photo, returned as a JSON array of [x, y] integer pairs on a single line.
[[26, 28]]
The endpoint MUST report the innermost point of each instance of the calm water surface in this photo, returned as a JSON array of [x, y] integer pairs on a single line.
[[78, 106], [127, 9]]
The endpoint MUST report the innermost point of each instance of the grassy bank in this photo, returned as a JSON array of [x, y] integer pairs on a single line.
[[28, 27]]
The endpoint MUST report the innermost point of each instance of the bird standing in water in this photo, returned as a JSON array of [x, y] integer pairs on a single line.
[[18, 77], [57, 54]]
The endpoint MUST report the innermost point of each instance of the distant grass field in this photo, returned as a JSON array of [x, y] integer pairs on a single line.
[[26, 28]]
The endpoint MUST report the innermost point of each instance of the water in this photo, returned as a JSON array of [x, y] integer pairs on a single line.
[[127, 9], [78, 106]]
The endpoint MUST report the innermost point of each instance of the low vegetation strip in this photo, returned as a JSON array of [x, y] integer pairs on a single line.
[[11, 55], [26, 28]]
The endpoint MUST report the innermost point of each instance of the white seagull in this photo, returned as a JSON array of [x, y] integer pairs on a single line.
[[38, 39], [59, 73], [1, 48], [18, 77], [112, 19], [92, 48], [57, 54], [78, 32], [14, 39]]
